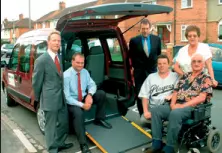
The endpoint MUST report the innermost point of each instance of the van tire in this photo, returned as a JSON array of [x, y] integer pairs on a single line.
[[9, 101], [40, 119]]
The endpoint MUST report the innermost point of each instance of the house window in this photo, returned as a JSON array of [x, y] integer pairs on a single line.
[[220, 1], [98, 17], [220, 30], [186, 3], [183, 29], [43, 25]]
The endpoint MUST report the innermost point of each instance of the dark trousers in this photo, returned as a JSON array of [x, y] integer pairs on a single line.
[[56, 129], [140, 77], [175, 118], [77, 114]]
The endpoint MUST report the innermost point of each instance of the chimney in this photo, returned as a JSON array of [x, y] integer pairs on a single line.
[[5, 20], [20, 16], [62, 5]]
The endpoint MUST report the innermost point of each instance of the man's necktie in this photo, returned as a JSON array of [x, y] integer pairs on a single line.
[[57, 64], [79, 88], [145, 47]]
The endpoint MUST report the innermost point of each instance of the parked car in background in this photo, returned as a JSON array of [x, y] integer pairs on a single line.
[[216, 50], [7, 48]]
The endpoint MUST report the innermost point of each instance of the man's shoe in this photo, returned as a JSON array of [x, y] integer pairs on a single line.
[[65, 146], [103, 123], [152, 150], [84, 148]]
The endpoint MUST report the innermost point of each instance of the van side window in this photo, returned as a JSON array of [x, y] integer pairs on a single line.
[[13, 63], [24, 58], [114, 49], [41, 48]]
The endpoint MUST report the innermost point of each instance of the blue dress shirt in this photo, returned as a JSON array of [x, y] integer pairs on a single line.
[[148, 43], [71, 85]]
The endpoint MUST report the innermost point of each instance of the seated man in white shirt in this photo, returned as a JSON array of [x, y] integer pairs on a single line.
[[80, 93], [157, 88]]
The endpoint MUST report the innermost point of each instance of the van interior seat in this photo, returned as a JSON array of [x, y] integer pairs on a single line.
[[95, 64], [68, 58]]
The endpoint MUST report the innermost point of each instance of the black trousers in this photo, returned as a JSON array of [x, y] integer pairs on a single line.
[[76, 114]]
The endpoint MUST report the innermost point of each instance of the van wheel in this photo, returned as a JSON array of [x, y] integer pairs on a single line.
[[214, 140], [9, 101], [41, 119]]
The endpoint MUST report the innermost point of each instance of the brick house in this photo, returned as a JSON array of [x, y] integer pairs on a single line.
[[170, 27], [50, 20], [11, 30]]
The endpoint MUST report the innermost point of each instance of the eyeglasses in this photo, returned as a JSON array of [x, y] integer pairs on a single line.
[[194, 36], [197, 61]]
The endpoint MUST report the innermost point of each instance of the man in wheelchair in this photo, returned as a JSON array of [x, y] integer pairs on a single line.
[[192, 89]]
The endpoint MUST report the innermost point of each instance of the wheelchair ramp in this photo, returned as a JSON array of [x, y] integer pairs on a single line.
[[124, 136]]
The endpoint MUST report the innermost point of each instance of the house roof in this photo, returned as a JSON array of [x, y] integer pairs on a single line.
[[73, 9], [59, 13], [49, 16], [121, 1], [23, 23]]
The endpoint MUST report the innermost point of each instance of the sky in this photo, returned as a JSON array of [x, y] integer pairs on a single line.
[[11, 9]]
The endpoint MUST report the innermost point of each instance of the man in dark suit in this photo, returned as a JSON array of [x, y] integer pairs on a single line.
[[47, 84], [143, 52]]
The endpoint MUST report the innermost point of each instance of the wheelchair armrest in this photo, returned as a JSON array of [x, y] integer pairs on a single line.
[[201, 112], [203, 105]]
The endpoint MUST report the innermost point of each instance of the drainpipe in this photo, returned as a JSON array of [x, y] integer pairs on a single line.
[[175, 6]]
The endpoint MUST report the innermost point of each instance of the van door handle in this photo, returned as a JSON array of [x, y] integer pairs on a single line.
[[19, 79]]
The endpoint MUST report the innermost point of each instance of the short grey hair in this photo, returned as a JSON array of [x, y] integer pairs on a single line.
[[53, 32]]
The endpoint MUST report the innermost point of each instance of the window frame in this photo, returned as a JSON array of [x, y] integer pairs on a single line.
[[26, 54], [11, 58], [219, 24], [186, 7], [181, 32]]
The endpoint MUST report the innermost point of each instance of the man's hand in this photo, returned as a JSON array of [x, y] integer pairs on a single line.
[[176, 106], [86, 106], [89, 99], [147, 115]]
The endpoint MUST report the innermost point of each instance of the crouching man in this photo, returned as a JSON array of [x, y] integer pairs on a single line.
[[157, 88], [81, 93], [192, 89]]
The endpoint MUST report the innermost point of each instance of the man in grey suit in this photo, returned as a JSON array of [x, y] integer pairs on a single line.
[[48, 89]]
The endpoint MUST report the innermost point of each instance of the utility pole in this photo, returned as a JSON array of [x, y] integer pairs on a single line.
[[29, 15], [13, 35]]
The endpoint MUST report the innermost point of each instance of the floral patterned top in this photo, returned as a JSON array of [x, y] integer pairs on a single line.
[[186, 89]]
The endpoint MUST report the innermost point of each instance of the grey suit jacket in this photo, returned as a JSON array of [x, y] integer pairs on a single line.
[[47, 83]]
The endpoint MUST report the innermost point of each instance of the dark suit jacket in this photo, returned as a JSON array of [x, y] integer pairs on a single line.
[[47, 84], [143, 65]]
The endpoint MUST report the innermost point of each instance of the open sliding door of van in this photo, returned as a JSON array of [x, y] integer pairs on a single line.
[[124, 135]]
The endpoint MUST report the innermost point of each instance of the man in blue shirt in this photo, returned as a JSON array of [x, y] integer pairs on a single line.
[[80, 93]]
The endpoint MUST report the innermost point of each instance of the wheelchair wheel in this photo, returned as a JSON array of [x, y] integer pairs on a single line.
[[214, 140], [193, 150]]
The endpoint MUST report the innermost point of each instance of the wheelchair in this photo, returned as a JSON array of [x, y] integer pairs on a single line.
[[198, 132]]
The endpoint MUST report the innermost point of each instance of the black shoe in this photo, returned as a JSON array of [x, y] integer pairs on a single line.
[[103, 123], [65, 146], [151, 150], [84, 148]]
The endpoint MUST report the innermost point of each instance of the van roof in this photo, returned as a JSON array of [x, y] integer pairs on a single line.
[[34, 35]]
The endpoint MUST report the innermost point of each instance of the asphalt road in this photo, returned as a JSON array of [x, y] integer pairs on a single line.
[[25, 120]]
